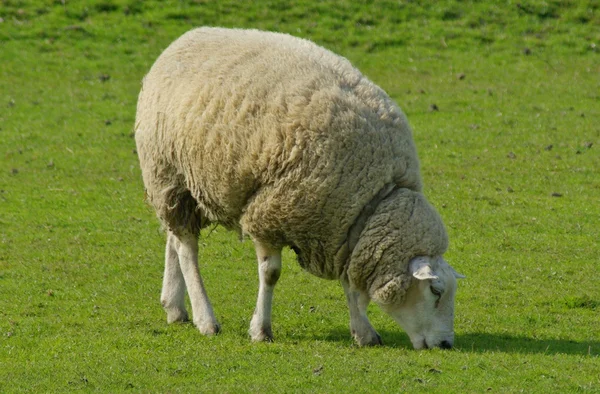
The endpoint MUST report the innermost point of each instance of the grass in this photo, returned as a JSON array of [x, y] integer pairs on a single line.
[[510, 158]]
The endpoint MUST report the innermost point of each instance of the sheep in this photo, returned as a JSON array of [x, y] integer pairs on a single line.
[[287, 143]]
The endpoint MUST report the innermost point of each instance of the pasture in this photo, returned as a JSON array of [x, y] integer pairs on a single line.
[[504, 101]]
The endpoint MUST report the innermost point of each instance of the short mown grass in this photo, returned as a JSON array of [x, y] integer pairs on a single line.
[[504, 100]]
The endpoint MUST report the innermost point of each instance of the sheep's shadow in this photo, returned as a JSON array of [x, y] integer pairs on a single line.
[[479, 342], [490, 342]]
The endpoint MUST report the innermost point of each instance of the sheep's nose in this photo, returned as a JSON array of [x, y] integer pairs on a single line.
[[445, 345]]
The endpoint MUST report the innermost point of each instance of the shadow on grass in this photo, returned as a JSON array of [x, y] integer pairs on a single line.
[[485, 342]]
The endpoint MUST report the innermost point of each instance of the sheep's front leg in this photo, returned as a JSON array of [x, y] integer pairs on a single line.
[[172, 296], [269, 269], [187, 251], [363, 332]]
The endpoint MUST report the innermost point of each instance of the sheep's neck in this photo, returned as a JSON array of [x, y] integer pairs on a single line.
[[361, 220]]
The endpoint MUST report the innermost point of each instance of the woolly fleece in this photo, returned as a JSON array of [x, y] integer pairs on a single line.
[[276, 137]]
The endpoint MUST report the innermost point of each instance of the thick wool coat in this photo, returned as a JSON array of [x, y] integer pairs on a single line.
[[278, 138]]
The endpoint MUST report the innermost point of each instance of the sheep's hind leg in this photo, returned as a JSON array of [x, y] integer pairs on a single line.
[[363, 332], [172, 296], [187, 251], [269, 269]]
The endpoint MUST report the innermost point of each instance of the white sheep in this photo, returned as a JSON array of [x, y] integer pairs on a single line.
[[286, 142]]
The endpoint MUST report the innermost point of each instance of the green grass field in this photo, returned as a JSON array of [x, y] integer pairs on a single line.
[[504, 100]]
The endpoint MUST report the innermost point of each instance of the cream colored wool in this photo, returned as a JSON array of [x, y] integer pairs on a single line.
[[278, 138], [404, 226]]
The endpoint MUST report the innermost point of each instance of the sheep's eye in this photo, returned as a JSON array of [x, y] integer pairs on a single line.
[[436, 292]]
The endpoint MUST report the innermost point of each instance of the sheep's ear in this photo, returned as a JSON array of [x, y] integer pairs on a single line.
[[389, 292], [456, 274], [420, 268]]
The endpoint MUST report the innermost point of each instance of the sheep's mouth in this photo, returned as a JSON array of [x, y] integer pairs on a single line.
[[442, 345]]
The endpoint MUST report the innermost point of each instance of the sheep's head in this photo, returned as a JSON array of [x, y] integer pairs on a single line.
[[398, 259], [426, 310]]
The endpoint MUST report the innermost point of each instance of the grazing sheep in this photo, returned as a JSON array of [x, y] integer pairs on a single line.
[[286, 142]]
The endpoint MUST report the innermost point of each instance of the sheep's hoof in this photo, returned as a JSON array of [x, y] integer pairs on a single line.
[[208, 328], [177, 315], [371, 339], [261, 335]]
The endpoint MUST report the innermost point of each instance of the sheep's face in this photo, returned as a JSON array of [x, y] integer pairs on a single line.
[[426, 312]]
